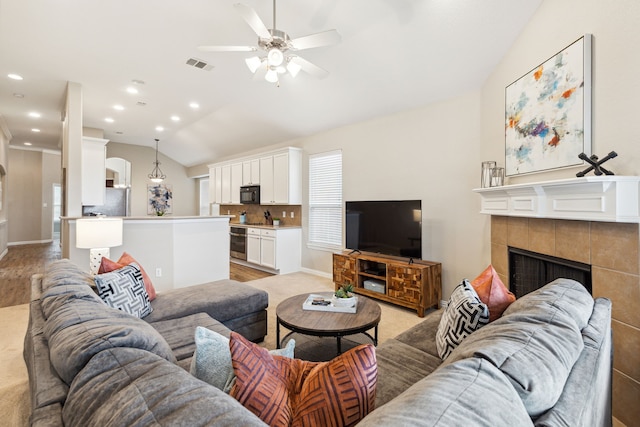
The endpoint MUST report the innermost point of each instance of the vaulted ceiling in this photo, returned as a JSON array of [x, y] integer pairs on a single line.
[[394, 55]]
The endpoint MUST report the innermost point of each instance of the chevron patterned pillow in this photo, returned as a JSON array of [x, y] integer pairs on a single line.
[[124, 289], [464, 314], [283, 391]]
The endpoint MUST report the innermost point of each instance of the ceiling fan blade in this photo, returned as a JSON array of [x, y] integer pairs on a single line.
[[254, 21], [309, 67], [325, 38], [227, 48]]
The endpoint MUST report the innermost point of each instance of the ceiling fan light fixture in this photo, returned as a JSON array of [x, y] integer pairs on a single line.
[[293, 68], [253, 63], [275, 57], [271, 76]]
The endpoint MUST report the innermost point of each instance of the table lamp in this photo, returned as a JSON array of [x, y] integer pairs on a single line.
[[98, 234]]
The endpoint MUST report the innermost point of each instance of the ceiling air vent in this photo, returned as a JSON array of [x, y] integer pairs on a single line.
[[199, 63]]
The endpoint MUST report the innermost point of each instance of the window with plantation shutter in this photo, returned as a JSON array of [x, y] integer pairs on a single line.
[[325, 200]]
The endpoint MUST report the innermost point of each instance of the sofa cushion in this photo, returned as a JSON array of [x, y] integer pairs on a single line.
[[132, 387], [423, 335], [493, 292], [222, 300], [78, 330], [283, 391], [107, 265], [464, 314], [179, 333], [124, 289], [400, 365], [211, 361], [586, 398], [535, 343], [65, 272], [470, 392]]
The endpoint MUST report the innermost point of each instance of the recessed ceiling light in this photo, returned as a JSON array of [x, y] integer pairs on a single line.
[[35, 130], [27, 143], [14, 76], [35, 115], [175, 118], [194, 105], [132, 90], [159, 128], [118, 107], [109, 120]]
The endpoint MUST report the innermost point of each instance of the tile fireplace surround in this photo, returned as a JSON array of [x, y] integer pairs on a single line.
[[594, 220]]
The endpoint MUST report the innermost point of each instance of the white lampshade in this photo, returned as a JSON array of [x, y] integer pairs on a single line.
[[275, 57], [271, 76], [98, 233], [253, 63], [293, 68]]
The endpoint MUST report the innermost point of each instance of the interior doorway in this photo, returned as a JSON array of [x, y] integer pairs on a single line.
[[56, 212]]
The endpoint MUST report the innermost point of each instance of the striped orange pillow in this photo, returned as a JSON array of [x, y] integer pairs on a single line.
[[283, 391]]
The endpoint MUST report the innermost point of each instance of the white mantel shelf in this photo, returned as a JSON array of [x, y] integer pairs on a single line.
[[590, 198]]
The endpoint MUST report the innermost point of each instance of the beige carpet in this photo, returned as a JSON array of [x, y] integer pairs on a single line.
[[14, 387]]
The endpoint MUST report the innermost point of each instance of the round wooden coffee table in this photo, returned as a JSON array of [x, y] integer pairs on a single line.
[[290, 314]]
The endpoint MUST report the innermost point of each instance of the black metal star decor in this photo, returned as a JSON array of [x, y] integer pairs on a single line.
[[595, 164]]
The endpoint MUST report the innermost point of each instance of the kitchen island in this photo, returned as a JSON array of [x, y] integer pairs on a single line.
[[175, 251]]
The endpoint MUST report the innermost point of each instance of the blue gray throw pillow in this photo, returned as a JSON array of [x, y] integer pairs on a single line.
[[464, 314], [124, 289], [211, 361]]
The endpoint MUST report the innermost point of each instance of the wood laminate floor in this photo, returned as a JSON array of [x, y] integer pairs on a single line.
[[21, 262], [17, 267]]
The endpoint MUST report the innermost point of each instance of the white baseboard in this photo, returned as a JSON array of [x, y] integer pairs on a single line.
[[30, 242], [317, 273], [3, 254]]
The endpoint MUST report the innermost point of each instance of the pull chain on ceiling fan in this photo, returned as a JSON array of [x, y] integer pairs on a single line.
[[278, 47]]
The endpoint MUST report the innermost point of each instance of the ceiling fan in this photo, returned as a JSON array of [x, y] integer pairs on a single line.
[[278, 47]]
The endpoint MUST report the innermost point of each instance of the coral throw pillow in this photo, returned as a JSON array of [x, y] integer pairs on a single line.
[[106, 266], [283, 391], [493, 292]]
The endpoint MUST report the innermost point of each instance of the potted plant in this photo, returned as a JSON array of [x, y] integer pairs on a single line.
[[276, 222], [344, 296]]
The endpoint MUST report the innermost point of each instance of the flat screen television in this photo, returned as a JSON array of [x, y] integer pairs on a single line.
[[390, 227]]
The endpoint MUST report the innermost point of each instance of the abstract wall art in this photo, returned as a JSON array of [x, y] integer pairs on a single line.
[[548, 113], [160, 199]]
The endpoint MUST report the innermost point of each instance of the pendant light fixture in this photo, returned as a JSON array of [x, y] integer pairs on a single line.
[[156, 174]]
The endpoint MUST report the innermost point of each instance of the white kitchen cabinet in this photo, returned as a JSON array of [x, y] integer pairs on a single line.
[[251, 172], [278, 172], [266, 180], [275, 249], [236, 182], [225, 183], [93, 171], [268, 248], [218, 186], [281, 178], [253, 245]]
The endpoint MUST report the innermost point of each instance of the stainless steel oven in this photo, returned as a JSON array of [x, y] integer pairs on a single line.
[[238, 242]]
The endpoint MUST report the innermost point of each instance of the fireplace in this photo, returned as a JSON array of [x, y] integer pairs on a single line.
[[529, 271]]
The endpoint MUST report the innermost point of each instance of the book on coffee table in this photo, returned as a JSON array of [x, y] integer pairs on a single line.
[[315, 302]]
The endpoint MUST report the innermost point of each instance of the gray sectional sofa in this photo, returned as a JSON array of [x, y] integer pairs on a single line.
[[546, 362], [89, 364]]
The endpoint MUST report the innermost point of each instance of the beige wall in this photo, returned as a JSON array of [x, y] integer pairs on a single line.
[[31, 178], [185, 189], [431, 154]]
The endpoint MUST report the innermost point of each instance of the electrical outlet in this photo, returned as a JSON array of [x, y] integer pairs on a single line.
[[291, 215], [284, 214], [158, 272], [444, 303]]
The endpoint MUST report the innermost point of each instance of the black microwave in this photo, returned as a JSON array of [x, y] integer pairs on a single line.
[[250, 194]]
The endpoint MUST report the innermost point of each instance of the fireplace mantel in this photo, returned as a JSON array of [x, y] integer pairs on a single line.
[[593, 198]]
